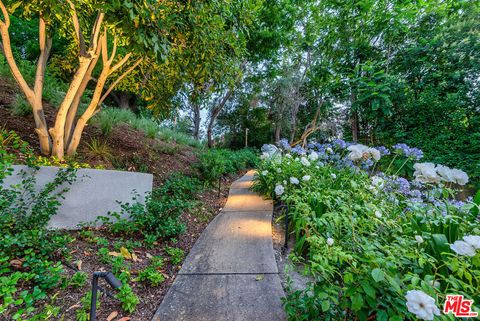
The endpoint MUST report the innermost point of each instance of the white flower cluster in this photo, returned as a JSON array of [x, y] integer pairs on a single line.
[[431, 173], [330, 241], [421, 304], [305, 161], [467, 247], [313, 156], [377, 184], [279, 189], [359, 151]]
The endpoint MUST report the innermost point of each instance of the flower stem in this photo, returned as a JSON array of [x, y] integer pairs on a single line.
[[390, 165]]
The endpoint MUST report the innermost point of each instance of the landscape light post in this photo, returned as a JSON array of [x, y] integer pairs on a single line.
[[111, 280]]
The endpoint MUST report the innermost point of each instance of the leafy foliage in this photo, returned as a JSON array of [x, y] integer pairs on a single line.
[[28, 247], [215, 163], [366, 240]]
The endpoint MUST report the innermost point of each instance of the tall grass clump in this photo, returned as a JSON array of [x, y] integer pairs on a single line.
[[20, 106], [171, 135]]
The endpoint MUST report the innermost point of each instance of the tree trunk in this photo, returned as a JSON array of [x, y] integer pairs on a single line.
[[353, 118], [34, 97], [216, 110], [354, 125], [196, 121], [122, 99], [278, 131], [294, 123], [209, 135], [58, 131], [214, 114]]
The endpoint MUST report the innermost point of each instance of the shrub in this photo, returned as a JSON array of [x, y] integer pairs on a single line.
[[367, 237], [152, 273], [128, 298], [97, 148], [20, 106], [27, 245], [160, 215], [214, 163], [176, 254]]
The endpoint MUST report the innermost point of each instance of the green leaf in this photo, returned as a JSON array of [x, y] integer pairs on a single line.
[[357, 302], [378, 275], [325, 306], [382, 316], [393, 283], [369, 290]]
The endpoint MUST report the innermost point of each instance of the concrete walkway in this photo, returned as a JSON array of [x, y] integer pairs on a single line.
[[230, 274]]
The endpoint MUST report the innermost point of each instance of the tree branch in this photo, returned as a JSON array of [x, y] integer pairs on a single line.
[[114, 50], [45, 45], [5, 15], [120, 63], [112, 86], [103, 45], [7, 51], [96, 30], [78, 33]]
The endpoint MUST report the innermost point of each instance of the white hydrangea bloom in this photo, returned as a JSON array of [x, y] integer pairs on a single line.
[[288, 156], [279, 170], [378, 214], [265, 173], [460, 176], [330, 241], [356, 151], [333, 176], [294, 180], [463, 248], [373, 153], [421, 304], [305, 161], [419, 239], [426, 173], [445, 173], [279, 190], [313, 156], [473, 240], [306, 178]]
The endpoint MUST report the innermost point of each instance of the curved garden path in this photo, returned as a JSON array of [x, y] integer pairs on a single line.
[[230, 274]]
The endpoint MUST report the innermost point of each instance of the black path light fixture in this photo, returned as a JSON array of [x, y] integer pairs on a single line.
[[284, 207], [111, 280]]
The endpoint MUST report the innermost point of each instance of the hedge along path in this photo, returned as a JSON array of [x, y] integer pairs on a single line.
[[231, 273]]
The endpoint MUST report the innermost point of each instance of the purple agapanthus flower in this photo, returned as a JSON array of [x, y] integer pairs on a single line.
[[339, 143], [410, 152], [298, 150], [284, 144], [384, 151], [415, 153], [403, 186], [367, 164]]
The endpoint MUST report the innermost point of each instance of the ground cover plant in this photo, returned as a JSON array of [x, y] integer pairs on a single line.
[[45, 274], [382, 234]]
